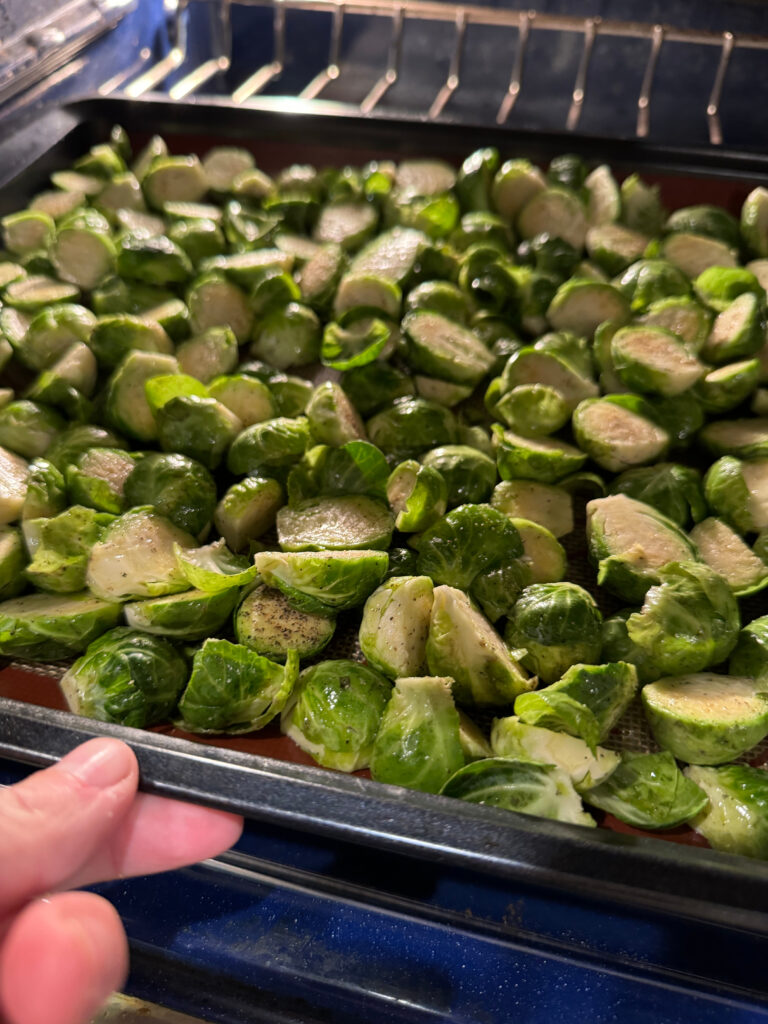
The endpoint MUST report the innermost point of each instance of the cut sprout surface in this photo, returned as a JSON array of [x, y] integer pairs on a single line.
[[252, 410]]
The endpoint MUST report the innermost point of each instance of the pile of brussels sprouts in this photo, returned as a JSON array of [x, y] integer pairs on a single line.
[[191, 518]]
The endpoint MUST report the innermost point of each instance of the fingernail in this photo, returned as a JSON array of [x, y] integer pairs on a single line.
[[100, 763]]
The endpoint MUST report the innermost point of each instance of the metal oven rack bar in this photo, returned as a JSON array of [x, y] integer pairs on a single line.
[[190, 75]]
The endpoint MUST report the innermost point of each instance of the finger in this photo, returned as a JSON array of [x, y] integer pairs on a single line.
[[158, 834], [61, 960], [53, 821]]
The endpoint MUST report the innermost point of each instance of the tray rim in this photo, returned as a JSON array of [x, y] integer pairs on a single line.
[[666, 878]]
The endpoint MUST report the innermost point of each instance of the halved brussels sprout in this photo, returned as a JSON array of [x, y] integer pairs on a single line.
[[745, 438], [515, 183], [418, 743], [473, 181], [655, 360], [557, 212], [468, 473], [395, 625], [13, 559], [442, 348], [113, 337], [441, 297], [674, 490], [288, 337], [466, 542], [28, 428], [724, 551], [73, 441], [375, 385], [14, 477], [357, 344], [557, 625], [51, 627], [247, 510], [532, 409], [233, 690], [614, 247], [485, 673], [214, 567], [192, 615], [727, 386], [542, 458], [537, 365], [581, 305], [205, 356], [201, 428], [323, 582], [648, 791], [176, 487], [619, 431], [136, 559], [705, 718], [735, 819], [519, 785], [543, 558], [632, 542], [737, 490], [411, 426], [333, 420], [270, 446], [128, 405], [546, 504], [587, 701], [335, 523], [719, 286], [512, 738], [126, 677], [688, 622], [62, 549], [754, 221], [738, 332], [216, 302], [682, 315], [693, 253], [750, 656], [335, 711], [268, 623]]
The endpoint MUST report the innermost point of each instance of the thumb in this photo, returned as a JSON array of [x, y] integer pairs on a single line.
[[54, 820]]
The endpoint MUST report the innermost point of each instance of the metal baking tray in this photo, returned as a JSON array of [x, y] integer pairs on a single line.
[[247, 776]]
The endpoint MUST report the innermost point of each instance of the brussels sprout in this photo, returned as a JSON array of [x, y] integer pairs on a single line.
[[216, 302], [549, 506], [356, 467], [245, 396], [682, 315], [28, 429], [333, 419], [543, 559], [126, 677], [469, 474], [674, 490], [418, 743], [113, 337], [652, 359], [617, 646], [43, 488], [648, 791], [213, 567], [442, 348], [319, 277], [325, 582], [466, 542], [127, 401], [49, 627], [201, 428], [27, 231], [75, 440], [440, 297], [649, 280], [247, 510], [512, 738], [339, 523], [51, 332], [614, 247], [484, 671], [411, 426], [712, 221], [395, 625], [334, 713], [533, 409], [288, 337], [581, 305], [268, 623], [119, 568], [473, 182], [719, 286], [270, 446], [632, 542], [537, 365], [746, 438], [375, 385], [734, 820], [31, 293], [738, 491], [519, 785], [587, 701], [497, 589], [557, 212], [692, 253], [192, 615], [233, 690], [750, 656], [704, 718], [724, 551], [209, 354], [63, 547], [542, 458], [619, 431], [754, 221], [682, 417], [155, 260], [199, 238], [558, 625], [176, 487], [417, 495], [13, 560], [688, 622], [738, 332], [727, 386], [180, 178], [516, 182]]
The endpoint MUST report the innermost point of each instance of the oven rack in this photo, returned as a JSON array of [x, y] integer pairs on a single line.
[[183, 73]]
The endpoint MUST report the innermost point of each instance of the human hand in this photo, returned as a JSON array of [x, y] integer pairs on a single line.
[[78, 823]]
